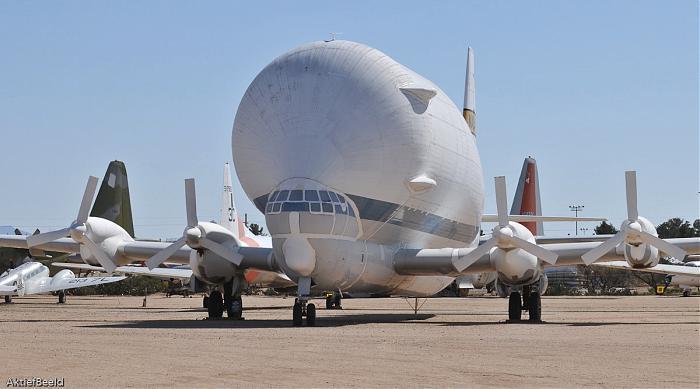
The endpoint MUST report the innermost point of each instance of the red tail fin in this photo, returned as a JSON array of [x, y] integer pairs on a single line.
[[527, 196]]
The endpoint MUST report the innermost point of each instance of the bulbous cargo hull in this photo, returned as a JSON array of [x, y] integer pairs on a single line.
[[350, 154]]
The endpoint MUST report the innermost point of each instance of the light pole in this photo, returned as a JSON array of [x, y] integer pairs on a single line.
[[576, 209], [583, 230]]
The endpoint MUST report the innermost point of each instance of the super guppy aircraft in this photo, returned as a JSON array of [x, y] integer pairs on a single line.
[[370, 181]]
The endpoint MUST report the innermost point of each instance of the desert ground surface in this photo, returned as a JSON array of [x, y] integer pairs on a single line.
[[641, 341]]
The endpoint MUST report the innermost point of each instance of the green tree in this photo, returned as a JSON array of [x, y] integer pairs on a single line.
[[256, 229], [676, 228], [605, 228], [696, 227]]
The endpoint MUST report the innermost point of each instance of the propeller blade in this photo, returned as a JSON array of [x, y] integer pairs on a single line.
[[595, 254], [166, 253], [191, 202], [501, 200], [85, 204], [222, 251], [467, 260], [540, 252], [631, 190], [662, 245], [46, 237], [104, 260]]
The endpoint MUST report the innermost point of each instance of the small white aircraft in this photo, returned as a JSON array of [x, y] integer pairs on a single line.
[[33, 278], [685, 276]]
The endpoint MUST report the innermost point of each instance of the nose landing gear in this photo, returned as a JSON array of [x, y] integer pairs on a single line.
[[301, 309]]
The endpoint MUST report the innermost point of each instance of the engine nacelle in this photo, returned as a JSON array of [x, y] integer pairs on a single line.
[[64, 274], [206, 265], [106, 234], [515, 266], [638, 254]]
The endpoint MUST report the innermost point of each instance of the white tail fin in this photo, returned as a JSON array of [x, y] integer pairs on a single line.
[[229, 215], [469, 111]]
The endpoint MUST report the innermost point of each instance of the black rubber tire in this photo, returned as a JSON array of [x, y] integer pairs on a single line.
[[686, 293], [515, 308], [215, 307], [535, 307], [8, 299], [329, 302], [61, 297], [311, 315], [235, 310], [205, 302], [296, 315]]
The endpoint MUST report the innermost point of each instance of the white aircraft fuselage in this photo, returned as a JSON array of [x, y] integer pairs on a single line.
[[352, 156]]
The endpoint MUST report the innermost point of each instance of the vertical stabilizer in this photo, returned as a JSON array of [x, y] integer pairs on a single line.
[[112, 201], [527, 196], [229, 215], [469, 111]]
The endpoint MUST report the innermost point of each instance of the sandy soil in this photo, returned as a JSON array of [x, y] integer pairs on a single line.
[[94, 341]]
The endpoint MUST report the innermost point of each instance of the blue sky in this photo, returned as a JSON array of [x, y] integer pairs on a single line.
[[588, 88]]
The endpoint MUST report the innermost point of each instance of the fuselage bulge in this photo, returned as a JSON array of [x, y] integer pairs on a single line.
[[352, 156]]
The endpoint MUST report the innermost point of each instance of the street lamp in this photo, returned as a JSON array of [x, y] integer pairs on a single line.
[[576, 209], [583, 230]]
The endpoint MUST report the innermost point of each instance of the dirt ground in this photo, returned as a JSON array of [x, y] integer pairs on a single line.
[[644, 341]]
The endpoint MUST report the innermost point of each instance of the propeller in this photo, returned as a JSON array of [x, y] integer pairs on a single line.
[[194, 235], [632, 232], [503, 236], [78, 230]]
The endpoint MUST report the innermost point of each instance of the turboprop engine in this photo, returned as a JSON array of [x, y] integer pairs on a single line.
[[637, 237], [99, 238], [215, 257], [512, 248]]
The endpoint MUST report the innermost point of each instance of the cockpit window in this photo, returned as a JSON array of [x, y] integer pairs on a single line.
[[274, 194], [324, 196], [327, 207], [296, 195], [282, 196], [334, 197], [315, 207], [295, 207], [342, 199], [310, 195], [277, 207]]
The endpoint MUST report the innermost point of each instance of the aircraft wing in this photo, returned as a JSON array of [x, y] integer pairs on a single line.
[[71, 283], [676, 270], [260, 258], [62, 245], [159, 272], [490, 218], [7, 290], [442, 261]]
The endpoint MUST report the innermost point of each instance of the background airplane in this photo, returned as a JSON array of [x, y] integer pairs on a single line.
[[684, 276], [33, 278]]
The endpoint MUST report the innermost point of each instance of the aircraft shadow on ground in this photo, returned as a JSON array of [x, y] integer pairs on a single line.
[[331, 321]]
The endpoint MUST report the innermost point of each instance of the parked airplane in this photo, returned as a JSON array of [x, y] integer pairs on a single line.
[[684, 276], [33, 278], [370, 181], [228, 219]]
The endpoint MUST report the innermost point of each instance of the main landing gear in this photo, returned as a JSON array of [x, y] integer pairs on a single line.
[[61, 297], [230, 301], [531, 302], [301, 308], [8, 299]]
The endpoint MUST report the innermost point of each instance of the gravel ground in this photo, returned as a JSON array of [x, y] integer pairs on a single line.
[[642, 341]]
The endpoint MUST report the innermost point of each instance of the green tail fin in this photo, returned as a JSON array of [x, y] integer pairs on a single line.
[[113, 202]]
